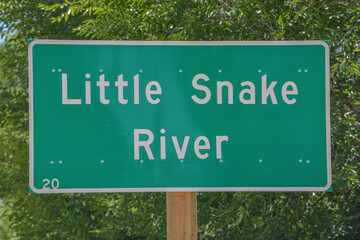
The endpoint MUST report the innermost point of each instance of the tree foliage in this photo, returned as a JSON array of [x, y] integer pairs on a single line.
[[143, 215]]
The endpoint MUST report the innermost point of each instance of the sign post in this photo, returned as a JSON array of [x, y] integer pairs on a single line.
[[181, 215]]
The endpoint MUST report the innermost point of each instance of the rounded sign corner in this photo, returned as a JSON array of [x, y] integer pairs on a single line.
[[34, 189], [327, 186], [32, 44], [325, 45]]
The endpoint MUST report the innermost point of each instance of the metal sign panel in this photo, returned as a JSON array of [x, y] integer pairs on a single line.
[[133, 116]]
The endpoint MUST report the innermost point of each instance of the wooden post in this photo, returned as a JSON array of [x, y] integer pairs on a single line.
[[181, 215]]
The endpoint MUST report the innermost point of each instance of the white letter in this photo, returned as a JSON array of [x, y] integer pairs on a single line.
[[250, 91], [162, 145], [145, 144], [136, 89], [285, 92], [65, 99], [219, 92], [197, 147], [219, 140], [120, 83], [180, 152], [149, 92], [202, 88], [265, 92], [102, 84], [88, 92]]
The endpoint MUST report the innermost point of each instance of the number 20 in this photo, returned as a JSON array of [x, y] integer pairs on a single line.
[[54, 183]]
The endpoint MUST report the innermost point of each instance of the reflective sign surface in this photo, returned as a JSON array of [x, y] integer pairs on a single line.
[[114, 116]]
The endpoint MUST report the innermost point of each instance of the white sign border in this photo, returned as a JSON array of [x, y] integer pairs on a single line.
[[179, 43]]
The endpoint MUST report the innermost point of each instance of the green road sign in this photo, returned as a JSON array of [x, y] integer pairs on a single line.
[[126, 116]]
